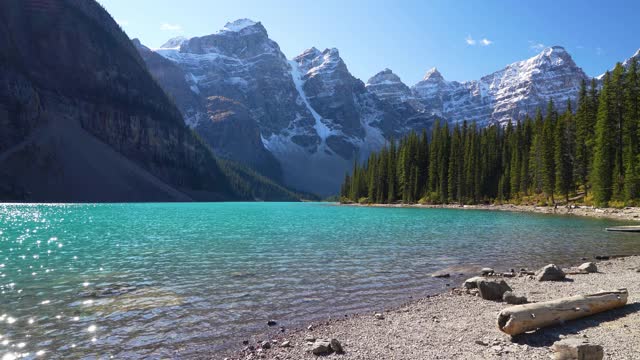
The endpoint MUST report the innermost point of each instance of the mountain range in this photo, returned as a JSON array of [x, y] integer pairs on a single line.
[[83, 120], [89, 115], [315, 119]]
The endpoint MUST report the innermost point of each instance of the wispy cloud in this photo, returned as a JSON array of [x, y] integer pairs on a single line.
[[170, 27], [473, 42], [536, 46], [599, 51], [470, 40]]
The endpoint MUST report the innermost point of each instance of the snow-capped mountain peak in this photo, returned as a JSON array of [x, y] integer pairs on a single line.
[[238, 25], [174, 43], [384, 77], [433, 74], [313, 62], [507, 94], [635, 57]]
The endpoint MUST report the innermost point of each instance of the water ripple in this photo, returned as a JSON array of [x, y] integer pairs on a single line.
[[166, 280]]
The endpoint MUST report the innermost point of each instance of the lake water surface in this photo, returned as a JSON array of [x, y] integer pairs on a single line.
[[195, 278]]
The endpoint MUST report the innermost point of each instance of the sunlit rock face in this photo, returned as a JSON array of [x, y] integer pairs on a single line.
[[312, 115], [316, 118]]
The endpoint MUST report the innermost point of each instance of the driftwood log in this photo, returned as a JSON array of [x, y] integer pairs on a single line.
[[521, 318]]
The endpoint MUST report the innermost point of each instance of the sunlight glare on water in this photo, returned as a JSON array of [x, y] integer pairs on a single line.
[[166, 280]]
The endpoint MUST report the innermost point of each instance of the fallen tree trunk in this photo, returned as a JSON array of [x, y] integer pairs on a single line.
[[521, 318]]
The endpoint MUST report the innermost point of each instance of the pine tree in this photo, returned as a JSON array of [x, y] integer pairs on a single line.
[[391, 171], [536, 158], [616, 91], [564, 154], [631, 149], [604, 153], [548, 153]]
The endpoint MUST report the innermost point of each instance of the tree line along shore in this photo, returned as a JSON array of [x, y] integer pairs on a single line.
[[590, 156]]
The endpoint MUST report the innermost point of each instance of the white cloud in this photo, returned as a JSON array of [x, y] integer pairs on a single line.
[[470, 40], [170, 27], [485, 42], [536, 46]]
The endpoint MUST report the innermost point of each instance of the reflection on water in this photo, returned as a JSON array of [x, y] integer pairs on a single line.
[[153, 280]]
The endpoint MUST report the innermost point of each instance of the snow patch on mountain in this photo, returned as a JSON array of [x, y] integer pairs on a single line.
[[321, 129], [238, 25], [174, 43], [507, 94]]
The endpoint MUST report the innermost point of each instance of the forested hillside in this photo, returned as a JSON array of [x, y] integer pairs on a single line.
[[590, 154]]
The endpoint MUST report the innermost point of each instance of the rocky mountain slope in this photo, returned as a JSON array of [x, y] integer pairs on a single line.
[[505, 95], [83, 120], [225, 125], [311, 113], [315, 118]]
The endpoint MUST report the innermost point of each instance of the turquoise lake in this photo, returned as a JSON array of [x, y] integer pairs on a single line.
[[191, 279]]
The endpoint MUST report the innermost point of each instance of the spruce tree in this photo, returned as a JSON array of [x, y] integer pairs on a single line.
[[548, 153], [604, 153], [564, 154], [631, 147]]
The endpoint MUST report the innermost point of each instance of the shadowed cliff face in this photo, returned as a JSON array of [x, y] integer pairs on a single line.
[[82, 118], [227, 126], [234, 134]]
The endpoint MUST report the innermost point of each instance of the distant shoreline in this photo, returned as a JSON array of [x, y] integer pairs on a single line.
[[624, 214]]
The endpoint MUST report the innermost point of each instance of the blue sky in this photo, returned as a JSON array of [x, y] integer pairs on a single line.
[[463, 39]]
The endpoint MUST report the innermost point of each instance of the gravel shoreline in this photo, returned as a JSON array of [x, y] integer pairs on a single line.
[[626, 214], [455, 325]]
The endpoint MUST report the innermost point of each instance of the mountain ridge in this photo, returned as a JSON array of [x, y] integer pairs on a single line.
[[316, 118]]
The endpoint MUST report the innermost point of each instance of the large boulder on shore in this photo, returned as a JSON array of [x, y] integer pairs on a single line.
[[492, 290], [550, 272], [472, 283], [588, 267], [576, 348]]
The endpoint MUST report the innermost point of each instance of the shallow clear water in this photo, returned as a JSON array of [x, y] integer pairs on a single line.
[[206, 275]]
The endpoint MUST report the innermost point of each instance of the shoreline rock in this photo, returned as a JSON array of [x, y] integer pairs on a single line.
[[448, 324]]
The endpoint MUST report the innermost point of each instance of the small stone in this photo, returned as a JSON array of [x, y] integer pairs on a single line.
[[492, 290], [576, 348], [336, 346], [379, 316], [272, 323], [509, 274], [321, 347], [285, 344], [245, 342], [309, 339], [440, 275], [486, 271], [282, 329], [550, 272], [265, 345], [511, 298], [588, 267], [481, 343], [310, 327]]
